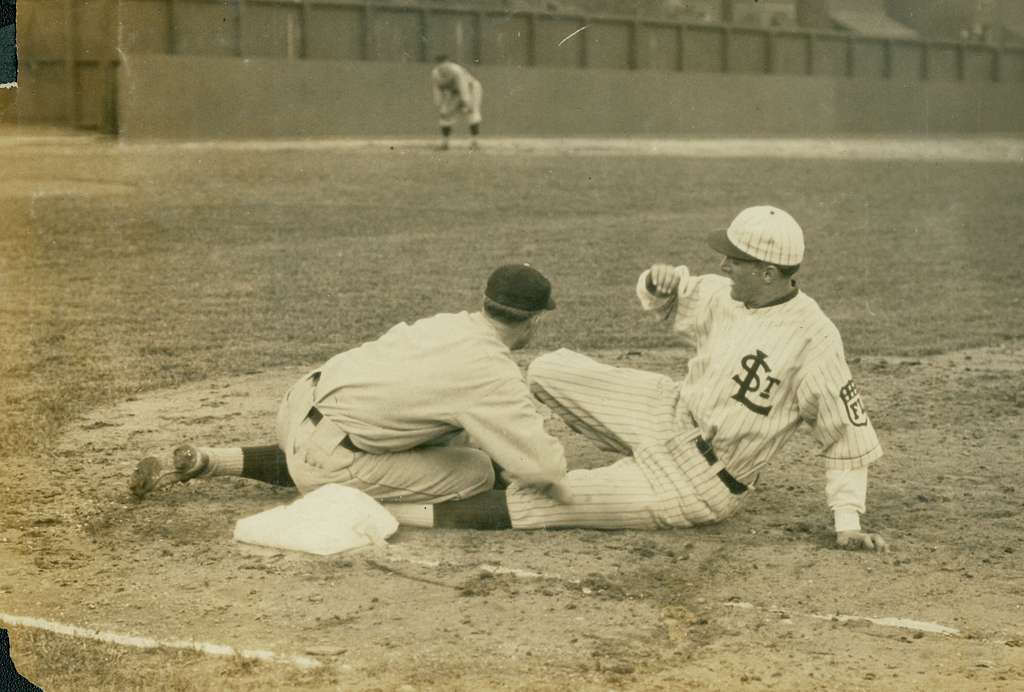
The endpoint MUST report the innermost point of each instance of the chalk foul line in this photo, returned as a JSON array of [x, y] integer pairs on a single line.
[[902, 623], [305, 662]]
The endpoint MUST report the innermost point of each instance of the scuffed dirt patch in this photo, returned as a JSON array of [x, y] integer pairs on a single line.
[[747, 602]]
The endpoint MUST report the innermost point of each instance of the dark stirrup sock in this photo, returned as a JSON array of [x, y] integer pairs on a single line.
[[487, 511], [266, 464], [499, 482], [474, 130]]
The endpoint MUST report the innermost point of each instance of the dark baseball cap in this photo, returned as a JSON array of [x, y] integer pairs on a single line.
[[520, 286]]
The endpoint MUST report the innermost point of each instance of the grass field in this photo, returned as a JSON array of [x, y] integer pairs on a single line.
[[125, 270], [192, 264]]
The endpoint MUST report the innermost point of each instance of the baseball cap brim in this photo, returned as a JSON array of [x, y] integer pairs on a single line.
[[719, 242]]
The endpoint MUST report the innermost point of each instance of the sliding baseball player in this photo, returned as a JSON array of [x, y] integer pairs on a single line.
[[767, 360]]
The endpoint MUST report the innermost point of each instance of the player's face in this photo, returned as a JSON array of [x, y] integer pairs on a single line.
[[747, 278]]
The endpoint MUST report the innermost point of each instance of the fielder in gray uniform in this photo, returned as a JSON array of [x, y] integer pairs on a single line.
[[422, 415], [767, 359], [456, 92]]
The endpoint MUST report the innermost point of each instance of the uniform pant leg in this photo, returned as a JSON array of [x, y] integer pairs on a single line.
[[610, 497], [617, 408], [667, 484], [448, 109], [476, 99], [424, 474]]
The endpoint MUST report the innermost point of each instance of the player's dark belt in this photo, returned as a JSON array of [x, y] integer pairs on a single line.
[[734, 486], [315, 417]]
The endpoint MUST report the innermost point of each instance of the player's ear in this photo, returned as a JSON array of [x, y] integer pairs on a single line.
[[536, 319]]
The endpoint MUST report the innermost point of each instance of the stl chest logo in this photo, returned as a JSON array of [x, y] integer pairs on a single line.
[[753, 365]]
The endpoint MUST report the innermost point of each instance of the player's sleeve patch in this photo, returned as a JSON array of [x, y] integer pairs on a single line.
[[855, 410]]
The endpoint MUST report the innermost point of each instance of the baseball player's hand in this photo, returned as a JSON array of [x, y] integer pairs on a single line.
[[663, 279], [861, 540]]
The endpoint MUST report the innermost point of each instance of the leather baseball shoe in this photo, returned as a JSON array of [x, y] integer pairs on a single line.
[[189, 461], [151, 473]]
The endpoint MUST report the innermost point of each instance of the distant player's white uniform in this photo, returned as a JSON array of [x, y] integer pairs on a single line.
[[417, 416], [456, 92], [756, 375]]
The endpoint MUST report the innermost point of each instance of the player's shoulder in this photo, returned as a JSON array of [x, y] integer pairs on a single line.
[[817, 327], [448, 68], [714, 286], [469, 331], [716, 292], [459, 324], [809, 310]]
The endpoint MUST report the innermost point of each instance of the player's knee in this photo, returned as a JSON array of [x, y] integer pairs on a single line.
[[477, 470], [543, 366], [535, 373]]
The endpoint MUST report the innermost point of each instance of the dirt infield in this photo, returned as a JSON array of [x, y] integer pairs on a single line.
[[754, 600], [761, 601]]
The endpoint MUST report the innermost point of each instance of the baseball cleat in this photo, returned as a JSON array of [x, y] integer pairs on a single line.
[[189, 461], [151, 473]]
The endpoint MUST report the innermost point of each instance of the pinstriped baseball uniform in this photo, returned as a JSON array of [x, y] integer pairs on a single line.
[[456, 91], [417, 416], [756, 375]]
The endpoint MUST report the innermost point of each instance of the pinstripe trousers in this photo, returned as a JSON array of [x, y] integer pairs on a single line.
[[662, 481]]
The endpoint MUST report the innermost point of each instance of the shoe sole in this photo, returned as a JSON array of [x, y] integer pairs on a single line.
[[148, 476]]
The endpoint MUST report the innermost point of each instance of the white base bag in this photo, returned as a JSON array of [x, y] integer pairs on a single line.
[[331, 519]]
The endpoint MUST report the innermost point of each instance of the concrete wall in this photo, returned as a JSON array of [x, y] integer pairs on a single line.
[[928, 107], [199, 98], [211, 97]]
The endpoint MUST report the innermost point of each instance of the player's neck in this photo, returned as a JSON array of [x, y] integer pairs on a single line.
[[509, 334], [774, 294]]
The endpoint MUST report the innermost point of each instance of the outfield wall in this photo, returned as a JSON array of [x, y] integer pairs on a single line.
[[195, 97], [70, 51]]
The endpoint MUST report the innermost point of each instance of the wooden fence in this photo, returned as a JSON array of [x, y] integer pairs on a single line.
[[69, 49]]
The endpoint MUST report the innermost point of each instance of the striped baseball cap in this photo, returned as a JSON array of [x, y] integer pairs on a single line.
[[763, 233]]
